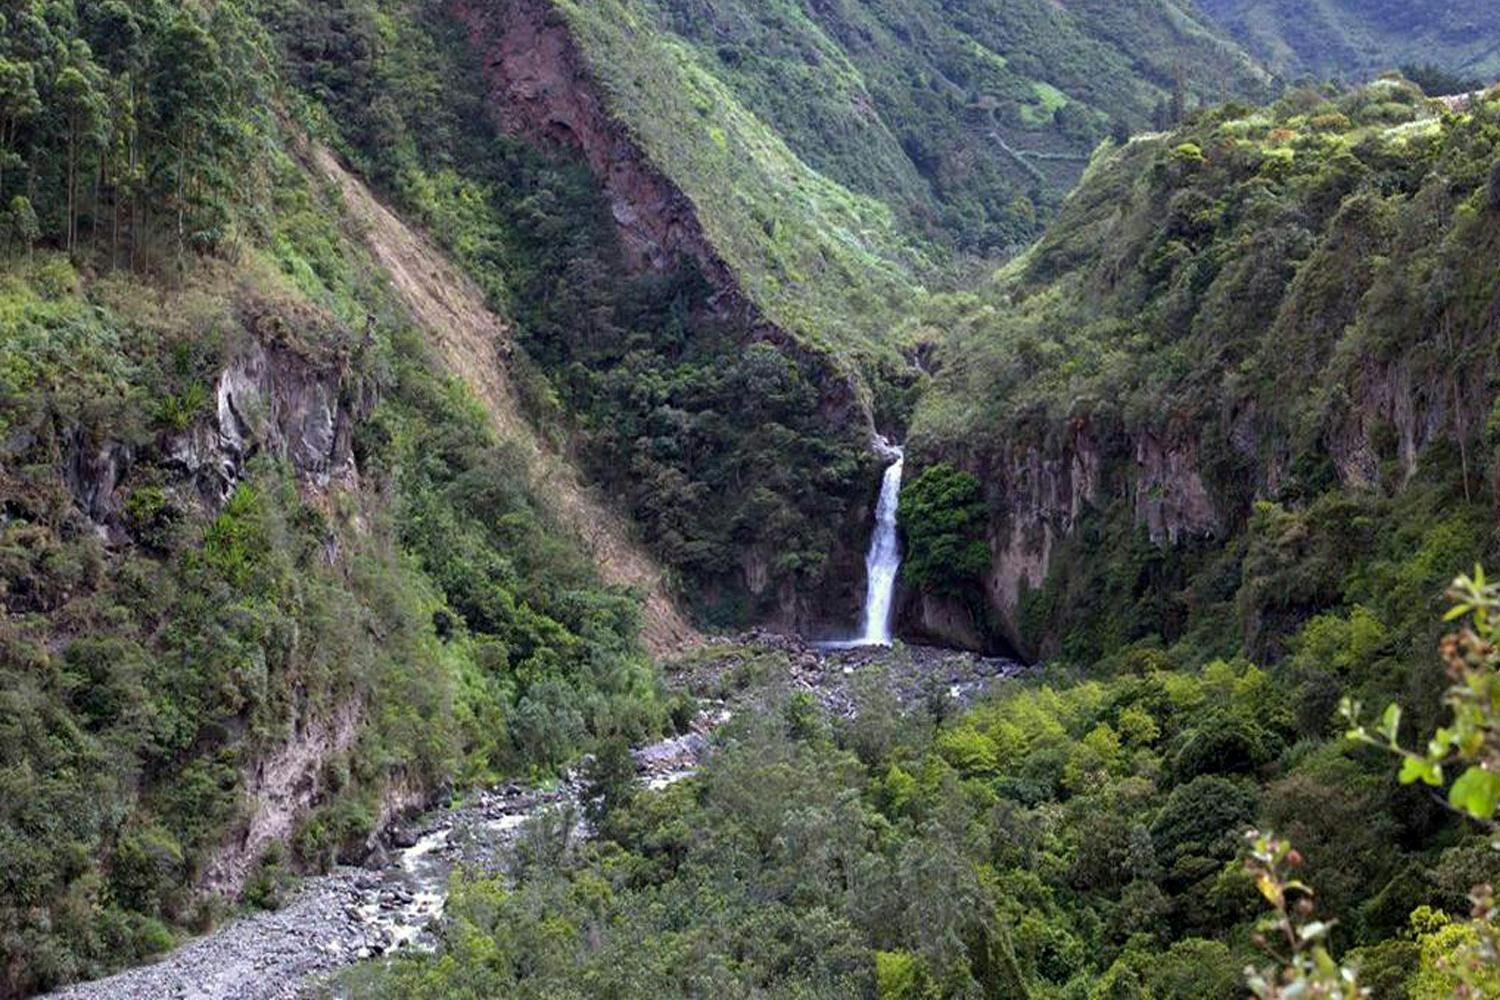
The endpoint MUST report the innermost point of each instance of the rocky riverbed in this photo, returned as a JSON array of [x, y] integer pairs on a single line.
[[352, 914], [730, 669], [390, 903]]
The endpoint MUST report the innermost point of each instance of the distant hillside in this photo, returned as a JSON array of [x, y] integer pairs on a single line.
[[969, 123], [1359, 38]]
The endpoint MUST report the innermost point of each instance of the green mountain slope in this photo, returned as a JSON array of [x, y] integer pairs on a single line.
[[1359, 38], [307, 515], [820, 260], [270, 570], [969, 123]]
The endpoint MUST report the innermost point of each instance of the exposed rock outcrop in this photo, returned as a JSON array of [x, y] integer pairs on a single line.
[[281, 787], [1394, 411], [1169, 496], [944, 620], [1410, 406], [272, 401], [1038, 492], [268, 400], [541, 89]]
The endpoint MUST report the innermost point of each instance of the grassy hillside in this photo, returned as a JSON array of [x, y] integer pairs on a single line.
[[1360, 38], [822, 261], [835, 153], [968, 123]]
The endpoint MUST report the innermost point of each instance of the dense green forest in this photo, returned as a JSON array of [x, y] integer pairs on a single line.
[[1069, 838], [1205, 439]]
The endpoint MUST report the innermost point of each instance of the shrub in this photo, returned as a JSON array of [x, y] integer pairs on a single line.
[[900, 976], [968, 750], [942, 515], [1203, 819], [145, 863], [1224, 743]]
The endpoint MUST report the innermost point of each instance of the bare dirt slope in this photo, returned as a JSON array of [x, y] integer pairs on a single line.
[[473, 342]]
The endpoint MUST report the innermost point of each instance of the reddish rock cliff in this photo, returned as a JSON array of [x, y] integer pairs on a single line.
[[542, 90]]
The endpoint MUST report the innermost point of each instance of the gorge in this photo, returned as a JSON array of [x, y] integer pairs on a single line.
[[430, 433]]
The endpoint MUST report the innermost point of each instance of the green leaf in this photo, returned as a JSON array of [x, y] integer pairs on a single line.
[[1390, 722], [1414, 768], [1477, 792]]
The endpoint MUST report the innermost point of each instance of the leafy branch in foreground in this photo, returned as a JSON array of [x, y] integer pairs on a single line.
[[1470, 744], [1291, 934], [1471, 740]]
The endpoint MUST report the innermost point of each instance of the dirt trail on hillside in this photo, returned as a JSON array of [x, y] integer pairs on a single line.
[[472, 341]]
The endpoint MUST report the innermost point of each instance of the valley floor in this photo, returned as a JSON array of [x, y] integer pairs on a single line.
[[357, 913], [352, 914]]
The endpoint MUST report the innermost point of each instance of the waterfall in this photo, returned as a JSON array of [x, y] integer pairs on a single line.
[[884, 557]]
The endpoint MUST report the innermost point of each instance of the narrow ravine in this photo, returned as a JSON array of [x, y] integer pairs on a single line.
[[355, 913], [395, 900]]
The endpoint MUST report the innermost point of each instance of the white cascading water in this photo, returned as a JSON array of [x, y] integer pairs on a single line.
[[884, 557]]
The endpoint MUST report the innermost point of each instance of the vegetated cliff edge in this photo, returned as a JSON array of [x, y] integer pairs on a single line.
[[272, 572], [541, 89], [1230, 328]]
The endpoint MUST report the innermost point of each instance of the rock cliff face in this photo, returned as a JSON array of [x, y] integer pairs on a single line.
[[269, 400], [1039, 492], [833, 608], [1396, 410], [281, 787], [541, 90], [1413, 406]]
